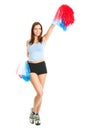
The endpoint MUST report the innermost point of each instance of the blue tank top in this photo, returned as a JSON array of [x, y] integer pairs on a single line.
[[36, 51]]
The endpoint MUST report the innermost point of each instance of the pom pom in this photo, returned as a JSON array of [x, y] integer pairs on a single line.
[[23, 71], [62, 25], [65, 16]]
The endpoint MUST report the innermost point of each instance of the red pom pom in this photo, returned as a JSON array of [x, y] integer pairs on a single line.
[[66, 14]]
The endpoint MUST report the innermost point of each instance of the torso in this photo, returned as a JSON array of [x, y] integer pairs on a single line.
[[36, 52]]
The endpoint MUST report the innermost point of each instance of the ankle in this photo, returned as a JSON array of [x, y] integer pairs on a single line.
[[35, 111], [37, 114]]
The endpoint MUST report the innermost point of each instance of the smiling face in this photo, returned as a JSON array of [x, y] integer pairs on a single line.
[[37, 30]]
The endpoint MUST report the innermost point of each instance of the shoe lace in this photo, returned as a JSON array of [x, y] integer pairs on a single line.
[[32, 115], [37, 117]]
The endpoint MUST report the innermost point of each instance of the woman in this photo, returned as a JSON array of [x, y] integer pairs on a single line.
[[35, 53]]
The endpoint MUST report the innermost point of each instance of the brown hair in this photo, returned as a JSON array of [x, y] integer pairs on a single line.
[[32, 33]]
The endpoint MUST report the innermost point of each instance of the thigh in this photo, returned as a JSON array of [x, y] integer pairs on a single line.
[[42, 78], [36, 83]]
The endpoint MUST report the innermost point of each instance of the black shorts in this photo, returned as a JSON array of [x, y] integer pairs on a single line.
[[38, 68]]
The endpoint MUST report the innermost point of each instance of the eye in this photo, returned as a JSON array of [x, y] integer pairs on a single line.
[[39, 29]]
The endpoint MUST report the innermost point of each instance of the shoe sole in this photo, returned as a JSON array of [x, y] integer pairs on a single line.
[[31, 121]]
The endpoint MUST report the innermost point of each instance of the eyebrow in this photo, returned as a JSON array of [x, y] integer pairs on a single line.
[[37, 27]]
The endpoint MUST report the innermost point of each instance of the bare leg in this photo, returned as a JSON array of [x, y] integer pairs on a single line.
[[38, 84], [38, 87], [42, 79], [37, 101]]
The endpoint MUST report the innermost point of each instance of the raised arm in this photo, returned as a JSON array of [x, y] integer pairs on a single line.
[[48, 33]]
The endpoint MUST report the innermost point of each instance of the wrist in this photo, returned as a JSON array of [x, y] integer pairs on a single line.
[[56, 22]]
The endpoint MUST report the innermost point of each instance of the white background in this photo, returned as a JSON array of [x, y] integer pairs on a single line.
[[64, 104]]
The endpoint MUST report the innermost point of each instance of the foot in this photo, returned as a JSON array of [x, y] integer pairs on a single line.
[[32, 117], [37, 119]]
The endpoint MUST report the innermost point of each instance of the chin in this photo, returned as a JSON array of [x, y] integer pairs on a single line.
[[38, 34]]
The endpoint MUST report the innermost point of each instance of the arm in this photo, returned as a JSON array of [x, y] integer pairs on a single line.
[[27, 53], [48, 33]]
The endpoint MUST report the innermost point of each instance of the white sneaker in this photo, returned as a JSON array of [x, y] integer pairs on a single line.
[[32, 117], [37, 119]]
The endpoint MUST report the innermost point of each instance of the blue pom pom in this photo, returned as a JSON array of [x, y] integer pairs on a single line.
[[62, 25], [23, 71], [26, 78]]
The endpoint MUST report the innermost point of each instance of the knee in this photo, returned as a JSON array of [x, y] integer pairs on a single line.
[[40, 94]]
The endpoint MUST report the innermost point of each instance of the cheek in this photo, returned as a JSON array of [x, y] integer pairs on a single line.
[[34, 32], [40, 31]]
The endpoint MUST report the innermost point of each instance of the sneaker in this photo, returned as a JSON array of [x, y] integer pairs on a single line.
[[32, 117], [37, 119]]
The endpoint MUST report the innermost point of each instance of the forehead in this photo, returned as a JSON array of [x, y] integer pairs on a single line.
[[37, 26]]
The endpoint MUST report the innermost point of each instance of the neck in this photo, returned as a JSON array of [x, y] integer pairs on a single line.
[[36, 40]]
